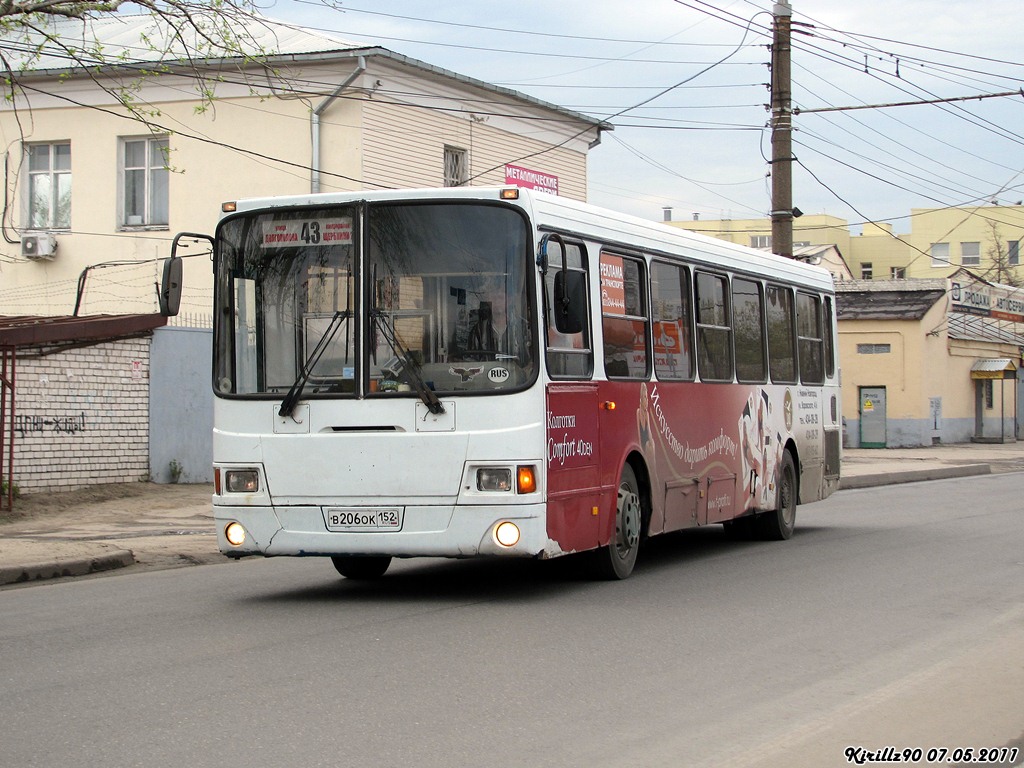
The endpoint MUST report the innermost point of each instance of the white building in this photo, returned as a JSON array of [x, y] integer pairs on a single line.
[[91, 185]]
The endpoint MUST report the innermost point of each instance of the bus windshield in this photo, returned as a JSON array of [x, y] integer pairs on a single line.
[[373, 300]]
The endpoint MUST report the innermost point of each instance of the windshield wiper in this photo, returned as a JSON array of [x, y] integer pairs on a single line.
[[288, 404], [409, 365]]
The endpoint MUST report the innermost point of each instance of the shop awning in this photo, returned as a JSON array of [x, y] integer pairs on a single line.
[[994, 368]]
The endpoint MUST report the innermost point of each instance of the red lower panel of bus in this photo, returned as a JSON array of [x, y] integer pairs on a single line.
[[703, 452]]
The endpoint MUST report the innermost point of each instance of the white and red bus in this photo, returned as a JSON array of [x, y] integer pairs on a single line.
[[501, 372]]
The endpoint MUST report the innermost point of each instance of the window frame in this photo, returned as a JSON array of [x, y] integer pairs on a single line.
[[626, 316], [554, 353], [702, 329], [804, 342], [459, 158], [940, 255], [149, 169], [686, 340], [774, 374], [53, 175], [975, 257], [762, 377]]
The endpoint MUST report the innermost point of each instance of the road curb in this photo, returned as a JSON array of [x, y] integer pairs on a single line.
[[913, 476], [55, 569]]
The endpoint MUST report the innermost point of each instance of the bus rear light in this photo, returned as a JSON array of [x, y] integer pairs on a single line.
[[494, 479], [526, 479], [235, 534], [242, 480], [507, 534]]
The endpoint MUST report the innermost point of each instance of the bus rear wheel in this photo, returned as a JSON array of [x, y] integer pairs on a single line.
[[361, 568], [616, 561], [778, 524]]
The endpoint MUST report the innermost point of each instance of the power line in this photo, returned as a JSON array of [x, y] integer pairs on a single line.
[[950, 99]]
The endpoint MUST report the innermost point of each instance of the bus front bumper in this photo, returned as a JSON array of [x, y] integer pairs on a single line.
[[426, 531]]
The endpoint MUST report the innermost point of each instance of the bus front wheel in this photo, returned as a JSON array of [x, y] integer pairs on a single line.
[[361, 568], [778, 524], [616, 561]]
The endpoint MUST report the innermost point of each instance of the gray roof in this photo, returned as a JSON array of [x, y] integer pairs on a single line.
[[885, 305], [124, 41], [124, 44]]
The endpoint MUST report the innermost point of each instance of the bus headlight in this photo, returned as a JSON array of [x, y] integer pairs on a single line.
[[507, 534], [242, 480], [235, 534], [494, 479]]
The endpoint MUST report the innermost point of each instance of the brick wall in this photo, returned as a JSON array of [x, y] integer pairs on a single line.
[[82, 416]]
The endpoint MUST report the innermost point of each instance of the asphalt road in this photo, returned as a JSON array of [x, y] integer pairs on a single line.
[[894, 617]]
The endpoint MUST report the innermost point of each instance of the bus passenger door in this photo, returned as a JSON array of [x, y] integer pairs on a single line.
[[573, 482]]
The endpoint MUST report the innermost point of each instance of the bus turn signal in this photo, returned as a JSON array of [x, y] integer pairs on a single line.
[[526, 480]]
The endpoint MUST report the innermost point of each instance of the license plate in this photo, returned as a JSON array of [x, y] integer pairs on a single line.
[[364, 519]]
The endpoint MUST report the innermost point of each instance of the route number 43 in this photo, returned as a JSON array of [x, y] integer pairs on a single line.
[[310, 232]]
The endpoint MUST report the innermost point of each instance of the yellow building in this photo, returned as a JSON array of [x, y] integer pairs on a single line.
[[923, 363], [818, 229], [984, 239], [93, 191]]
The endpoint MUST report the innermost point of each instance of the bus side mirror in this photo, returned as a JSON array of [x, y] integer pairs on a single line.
[[570, 304], [170, 287], [169, 291]]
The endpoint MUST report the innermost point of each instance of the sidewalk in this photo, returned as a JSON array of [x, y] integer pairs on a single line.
[[144, 526]]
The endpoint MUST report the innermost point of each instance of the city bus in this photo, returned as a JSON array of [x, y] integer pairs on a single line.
[[478, 372]]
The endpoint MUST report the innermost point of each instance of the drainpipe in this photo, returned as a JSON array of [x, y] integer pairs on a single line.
[[314, 177]]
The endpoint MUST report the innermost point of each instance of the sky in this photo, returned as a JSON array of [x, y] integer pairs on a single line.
[[701, 148]]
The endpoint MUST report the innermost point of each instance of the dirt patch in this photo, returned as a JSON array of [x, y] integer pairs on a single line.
[[103, 498]]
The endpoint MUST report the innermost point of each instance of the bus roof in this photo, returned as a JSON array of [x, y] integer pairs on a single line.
[[553, 213]]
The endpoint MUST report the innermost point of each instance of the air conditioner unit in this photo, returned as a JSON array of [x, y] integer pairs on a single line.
[[39, 246]]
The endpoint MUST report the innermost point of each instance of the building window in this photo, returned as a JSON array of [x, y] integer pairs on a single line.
[[145, 181], [874, 349], [970, 254], [990, 400], [897, 273], [49, 186], [940, 254], [760, 241], [1013, 252], [866, 270], [456, 166]]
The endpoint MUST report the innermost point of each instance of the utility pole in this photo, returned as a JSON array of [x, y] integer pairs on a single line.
[[782, 132]]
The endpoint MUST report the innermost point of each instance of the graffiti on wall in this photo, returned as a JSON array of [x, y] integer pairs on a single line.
[[27, 425]]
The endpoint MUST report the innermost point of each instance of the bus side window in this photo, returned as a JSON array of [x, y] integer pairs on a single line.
[[569, 355], [673, 332], [809, 341], [781, 335], [714, 331], [830, 351], [748, 321], [624, 317]]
